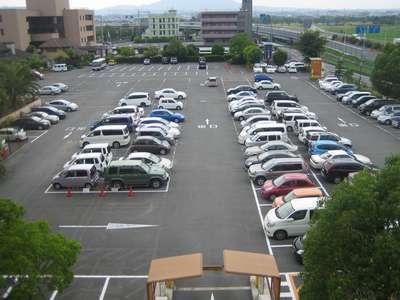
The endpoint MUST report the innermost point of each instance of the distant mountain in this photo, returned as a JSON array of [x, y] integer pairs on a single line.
[[179, 5]]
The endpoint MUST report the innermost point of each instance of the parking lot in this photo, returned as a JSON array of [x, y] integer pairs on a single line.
[[209, 203]]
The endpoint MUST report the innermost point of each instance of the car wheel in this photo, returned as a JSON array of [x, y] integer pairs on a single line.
[[161, 96], [276, 88], [40, 127], [117, 184], [337, 179], [163, 151], [260, 180], [260, 88], [88, 186], [57, 186], [180, 97], [123, 104], [69, 109], [289, 128], [142, 104], [116, 145], [388, 122], [161, 107], [176, 120], [178, 108], [280, 235], [367, 113], [241, 118], [155, 183]]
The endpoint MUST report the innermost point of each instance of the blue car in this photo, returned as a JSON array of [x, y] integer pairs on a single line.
[[262, 76], [320, 147], [167, 115]]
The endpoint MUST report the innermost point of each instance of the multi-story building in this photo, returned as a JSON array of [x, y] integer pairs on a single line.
[[165, 25], [45, 20], [221, 26]]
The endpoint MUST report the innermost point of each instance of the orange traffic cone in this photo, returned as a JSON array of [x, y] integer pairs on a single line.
[[69, 193], [131, 192]]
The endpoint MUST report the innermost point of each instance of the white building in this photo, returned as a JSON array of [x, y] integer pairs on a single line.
[[165, 25]]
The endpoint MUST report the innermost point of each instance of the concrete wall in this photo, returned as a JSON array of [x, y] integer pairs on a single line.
[[75, 25], [23, 110], [48, 7]]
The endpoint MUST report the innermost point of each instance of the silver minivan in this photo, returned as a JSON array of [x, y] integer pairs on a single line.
[[76, 176]]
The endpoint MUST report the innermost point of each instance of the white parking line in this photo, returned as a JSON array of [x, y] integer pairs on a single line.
[[266, 204], [78, 192], [67, 136], [281, 246], [53, 295], [133, 74], [103, 291], [39, 137]]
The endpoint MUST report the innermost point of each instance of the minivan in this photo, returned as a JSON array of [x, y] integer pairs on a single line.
[[279, 106], [289, 119], [102, 148], [263, 126], [96, 159], [76, 176], [138, 99], [298, 124], [259, 173], [265, 137], [59, 68], [156, 132], [114, 135], [133, 110], [291, 219], [121, 119]]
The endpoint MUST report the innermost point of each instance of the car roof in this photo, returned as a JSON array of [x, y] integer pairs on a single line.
[[96, 145], [264, 133], [344, 161], [337, 152], [284, 101], [144, 129], [80, 167], [146, 137], [138, 93], [88, 155], [294, 176], [125, 162], [273, 152], [125, 106], [309, 191], [124, 115], [325, 142], [277, 161], [139, 154], [111, 127], [305, 203], [160, 110]]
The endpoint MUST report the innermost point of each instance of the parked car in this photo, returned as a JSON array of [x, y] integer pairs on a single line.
[[291, 69], [298, 247], [244, 103], [281, 69], [157, 132], [138, 99], [307, 130], [284, 184], [102, 148], [171, 131], [396, 122], [326, 80], [270, 69], [114, 135], [50, 110], [262, 76], [373, 104], [11, 134], [240, 95], [167, 115], [76, 176], [316, 161], [265, 137], [335, 170], [257, 68], [62, 86], [133, 110], [289, 119], [49, 90], [312, 137], [51, 118], [59, 68], [157, 120], [276, 167], [361, 100], [212, 82], [122, 119], [343, 88], [147, 61], [291, 219], [165, 60], [354, 97], [267, 85], [170, 103], [385, 110], [278, 95], [241, 88], [170, 93], [254, 119], [274, 145], [132, 173], [249, 112], [150, 144], [96, 159], [261, 127], [280, 106], [320, 147], [266, 156], [173, 61], [386, 118], [31, 123], [297, 193], [150, 159], [64, 105], [37, 74]]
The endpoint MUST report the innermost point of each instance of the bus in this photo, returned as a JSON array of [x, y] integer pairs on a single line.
[[99, 64]]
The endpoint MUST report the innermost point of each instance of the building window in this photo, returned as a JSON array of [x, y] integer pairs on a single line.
[[2, 32], [154, 20], [1, 18], [154, 32]]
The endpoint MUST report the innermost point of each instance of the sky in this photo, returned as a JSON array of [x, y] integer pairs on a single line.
[[317, 4]]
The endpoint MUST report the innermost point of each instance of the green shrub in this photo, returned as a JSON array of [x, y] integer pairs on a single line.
[[214, 58]]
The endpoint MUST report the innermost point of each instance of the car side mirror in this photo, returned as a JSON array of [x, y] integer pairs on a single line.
[[290, 219]]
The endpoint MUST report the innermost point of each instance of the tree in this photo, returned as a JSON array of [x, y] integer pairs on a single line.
[[35, 61], [311, 44], [126, 51], [31, 249], [352, 251], [192, 50], [17, 81], [385, 76], [150, 51], [252, 54], [279, 57], [175, 48], [218, 49], [237, 45], [71, 52]]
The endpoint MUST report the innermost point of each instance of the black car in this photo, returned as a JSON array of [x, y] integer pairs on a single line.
[[241, 88], [202, 65], [298, 248], [371, 105], [279, 95], [335, 170], [31, 123], [165, 60], [150, 144], [362, 100], [51, 111]]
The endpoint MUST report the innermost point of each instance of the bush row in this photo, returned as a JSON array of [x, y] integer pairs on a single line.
[[157, 59]]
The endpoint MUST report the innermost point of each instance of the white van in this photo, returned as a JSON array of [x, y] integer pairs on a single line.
[[267, 126], [289, 119], [138, 99], [291, 219], [114, 135], [298, 124], [102, 148], [96, 159], [265, 137], [59, 68], [278, 106]]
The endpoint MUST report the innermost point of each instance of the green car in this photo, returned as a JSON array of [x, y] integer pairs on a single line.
[[131, 173]]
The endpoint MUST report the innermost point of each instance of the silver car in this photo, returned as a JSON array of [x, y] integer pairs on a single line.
[[12, 134], [62, 86], [249, 112], [64, 105], [76, 176], [275, 145], [52, 118], [49, 90]]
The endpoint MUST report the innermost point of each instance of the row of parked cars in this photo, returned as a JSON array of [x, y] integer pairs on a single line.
[[146, 136], [385, 111], [291, 66], [274, 163]]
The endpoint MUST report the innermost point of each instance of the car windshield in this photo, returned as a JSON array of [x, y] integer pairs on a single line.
[[290, 196], [36, 119], [370, 102], [279, 181], [282, 212], [326, 155], [154, 158]]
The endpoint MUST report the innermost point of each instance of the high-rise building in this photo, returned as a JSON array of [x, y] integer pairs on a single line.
[[45, 20]]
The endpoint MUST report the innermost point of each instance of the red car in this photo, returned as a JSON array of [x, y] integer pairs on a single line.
[[285, 184]]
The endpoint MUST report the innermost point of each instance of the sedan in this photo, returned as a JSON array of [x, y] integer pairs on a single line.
[[64, 105], [387, 118], [240, 88], [270, 69], [249, 112], [240, 95], [157, 120], [167, 115], [281, 69], [170, 103], [62, 86], [320, 147], [276, 145], [31, 123], [316, 161], [150, 144], [170, 93], [11, 134], [147, 61], [171, 131], [50, 110], [150, 159], [266, 156], [255, 119], [267, 85], [49, 90], [53, 119]]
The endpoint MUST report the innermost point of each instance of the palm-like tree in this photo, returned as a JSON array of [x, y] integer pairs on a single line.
[[17, 81]]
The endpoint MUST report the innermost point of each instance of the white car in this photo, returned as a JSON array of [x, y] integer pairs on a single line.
[[331, 87], [49, 90], [281, 69], [238, 102], [275, 145], [270, 69], [305, 130], [326, 80], [171, 131], [292, 69], [257, 68], [151, 120], [133, 110], [150, 159], [267, 85], [52, 118], [240, 95], [316, 161], [233, 108], [62, 86], [251, 111], [170, 93], [141, 99], [96, 159], [64, 105], [169, 103]]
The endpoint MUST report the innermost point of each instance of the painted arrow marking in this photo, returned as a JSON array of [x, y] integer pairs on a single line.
[[110, 226], [207, 121], [212, 296]]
